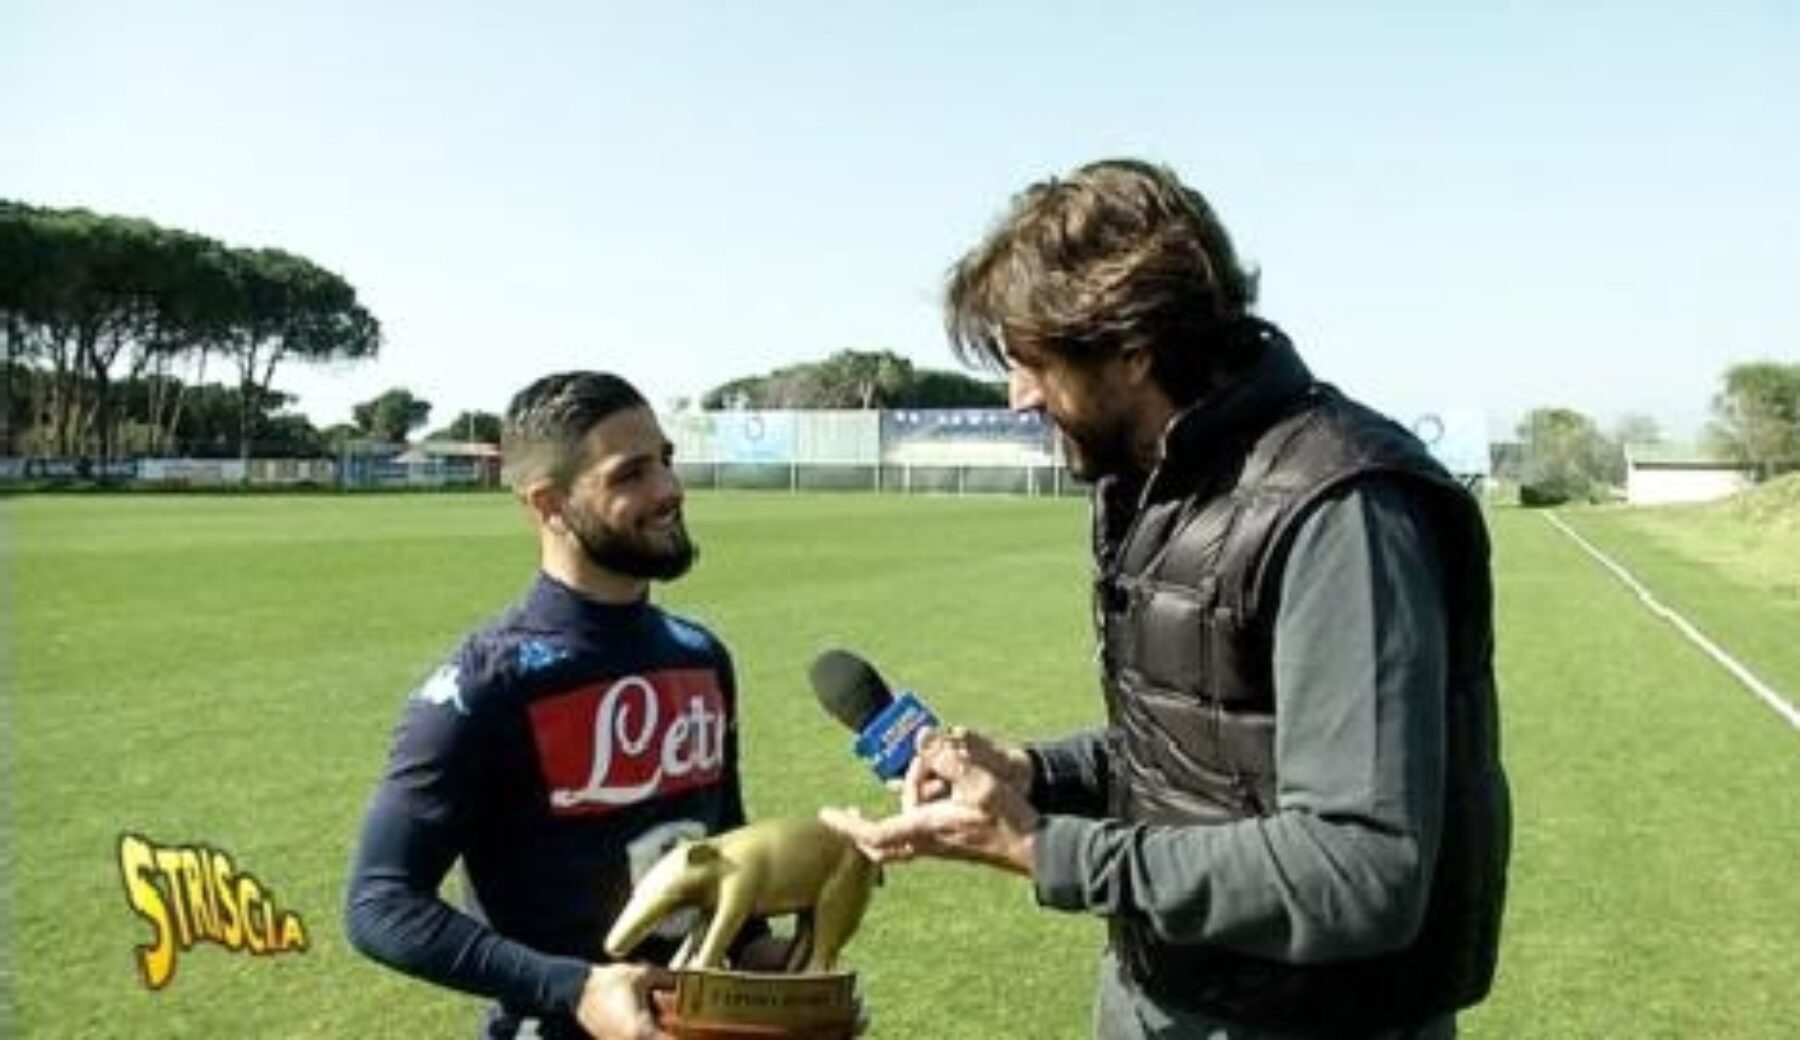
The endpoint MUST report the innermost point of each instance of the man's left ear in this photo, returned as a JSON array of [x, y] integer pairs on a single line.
[[546, 502]]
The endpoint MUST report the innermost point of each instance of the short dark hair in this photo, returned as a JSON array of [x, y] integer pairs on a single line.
[[1118, 254], [547, 422]]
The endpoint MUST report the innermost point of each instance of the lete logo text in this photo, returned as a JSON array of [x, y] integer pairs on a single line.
[[622, 741]]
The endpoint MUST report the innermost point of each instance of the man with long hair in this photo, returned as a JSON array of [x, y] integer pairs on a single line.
[[1294, 820]]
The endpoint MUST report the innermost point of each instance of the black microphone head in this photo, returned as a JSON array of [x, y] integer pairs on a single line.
[[849, 687]]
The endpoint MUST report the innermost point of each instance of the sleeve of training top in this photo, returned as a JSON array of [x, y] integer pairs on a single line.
[[1343, 868], [393, 912]]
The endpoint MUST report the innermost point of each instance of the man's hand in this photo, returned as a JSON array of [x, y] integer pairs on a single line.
[[963, 798], [921, 784], [615, 1003]]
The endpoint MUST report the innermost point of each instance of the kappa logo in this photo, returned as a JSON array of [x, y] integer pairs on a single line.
[[444, 687], [625, 740], [535, 655], [190, 894]]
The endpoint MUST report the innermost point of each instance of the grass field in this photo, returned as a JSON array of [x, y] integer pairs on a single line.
[[226, 671]]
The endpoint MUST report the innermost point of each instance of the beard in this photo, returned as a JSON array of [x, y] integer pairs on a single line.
[[1097, 447], [631, 553]]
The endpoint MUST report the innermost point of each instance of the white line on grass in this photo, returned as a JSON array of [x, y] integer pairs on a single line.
[[1698, 638]]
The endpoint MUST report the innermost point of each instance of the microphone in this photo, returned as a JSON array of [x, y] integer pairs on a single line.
[[885, 725]]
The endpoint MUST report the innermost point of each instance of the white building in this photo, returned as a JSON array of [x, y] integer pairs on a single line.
[[1660, 474]]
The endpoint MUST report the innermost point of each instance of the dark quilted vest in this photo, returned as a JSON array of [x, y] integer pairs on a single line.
[[1190, 571]]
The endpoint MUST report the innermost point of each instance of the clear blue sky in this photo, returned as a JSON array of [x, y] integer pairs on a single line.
[[1489, 209]]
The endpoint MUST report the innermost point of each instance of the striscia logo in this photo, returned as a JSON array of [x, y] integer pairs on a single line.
[[621, 742]]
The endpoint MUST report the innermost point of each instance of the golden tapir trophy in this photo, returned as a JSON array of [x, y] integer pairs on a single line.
[[771, 868]]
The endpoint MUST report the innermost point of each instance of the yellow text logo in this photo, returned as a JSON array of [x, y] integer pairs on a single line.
[[190, 894]]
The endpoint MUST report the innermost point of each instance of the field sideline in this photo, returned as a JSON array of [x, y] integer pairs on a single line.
[[225, 671]]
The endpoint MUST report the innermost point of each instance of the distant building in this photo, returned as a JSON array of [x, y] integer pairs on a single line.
[[452, 462], [1660, 474]]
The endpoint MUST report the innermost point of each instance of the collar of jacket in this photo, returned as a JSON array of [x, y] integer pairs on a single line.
[[1208, 440]]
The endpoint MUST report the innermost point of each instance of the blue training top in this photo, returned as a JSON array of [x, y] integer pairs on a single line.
[[559, 752]]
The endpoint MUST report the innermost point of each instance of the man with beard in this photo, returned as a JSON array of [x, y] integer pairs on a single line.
[[1294, 821], [563, 747]]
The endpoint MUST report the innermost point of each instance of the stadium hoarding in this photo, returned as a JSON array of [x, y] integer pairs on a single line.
[[950, 450], [959, 434], [193, 472], [68, 469], [741, 437]]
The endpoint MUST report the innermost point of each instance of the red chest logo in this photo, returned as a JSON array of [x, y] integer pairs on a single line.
[[623, 741]]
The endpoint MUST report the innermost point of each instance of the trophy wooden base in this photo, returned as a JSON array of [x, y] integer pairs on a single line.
[[742, 1005]]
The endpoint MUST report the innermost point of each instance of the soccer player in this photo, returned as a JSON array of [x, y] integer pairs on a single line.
[[562, 748]]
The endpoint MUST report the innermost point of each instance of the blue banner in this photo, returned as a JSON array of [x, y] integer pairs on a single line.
[[964, 424]]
